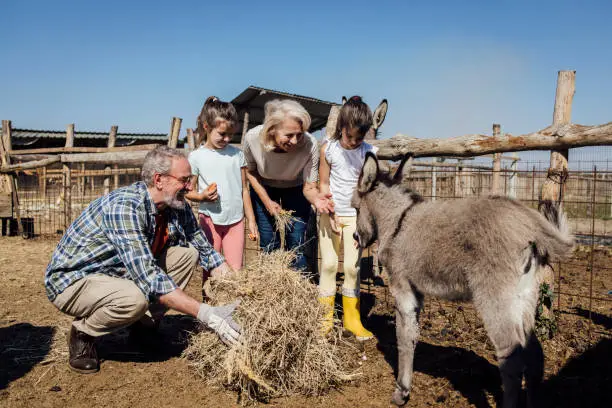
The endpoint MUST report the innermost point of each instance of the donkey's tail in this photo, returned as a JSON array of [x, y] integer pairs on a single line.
[[559, 243]]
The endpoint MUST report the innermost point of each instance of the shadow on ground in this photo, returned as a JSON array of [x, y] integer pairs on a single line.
[[170, 341], [22, 346], [583, 382]]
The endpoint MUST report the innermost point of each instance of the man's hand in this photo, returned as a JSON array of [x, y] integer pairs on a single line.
[[219, 319], [221, 271]]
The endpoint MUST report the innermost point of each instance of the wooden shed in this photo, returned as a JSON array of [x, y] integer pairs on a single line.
[[250, 107]]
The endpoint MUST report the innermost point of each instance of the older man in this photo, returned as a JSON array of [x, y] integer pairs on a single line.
[[127, 258]]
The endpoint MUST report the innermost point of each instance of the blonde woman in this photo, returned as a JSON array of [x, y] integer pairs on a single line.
[[282, 168]]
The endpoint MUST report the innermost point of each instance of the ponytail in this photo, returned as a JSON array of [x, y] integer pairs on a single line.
[[213, 110]]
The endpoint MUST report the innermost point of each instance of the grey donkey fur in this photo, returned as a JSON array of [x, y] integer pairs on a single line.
[[486, 250]]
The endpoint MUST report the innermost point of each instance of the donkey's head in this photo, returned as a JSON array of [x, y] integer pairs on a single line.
[[378, 197]]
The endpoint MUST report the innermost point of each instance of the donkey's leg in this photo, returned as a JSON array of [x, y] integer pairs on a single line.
[[534, 370], [506, 333], [408, 303]]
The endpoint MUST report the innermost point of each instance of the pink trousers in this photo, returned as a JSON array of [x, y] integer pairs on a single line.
[[229, 238]]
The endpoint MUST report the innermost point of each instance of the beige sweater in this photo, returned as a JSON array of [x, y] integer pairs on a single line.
[[282, 169]]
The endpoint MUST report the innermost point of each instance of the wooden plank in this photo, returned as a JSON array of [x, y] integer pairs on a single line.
[[551, 138], [53, 150], [30, 165], [133, 158]]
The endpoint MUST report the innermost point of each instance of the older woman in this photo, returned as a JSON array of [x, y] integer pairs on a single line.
[[282, 168]]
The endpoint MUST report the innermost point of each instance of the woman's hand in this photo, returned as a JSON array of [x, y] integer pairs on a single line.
[[273, 207], [323, 203]]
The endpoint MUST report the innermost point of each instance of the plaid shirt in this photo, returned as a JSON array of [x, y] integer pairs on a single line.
[[113, 236]]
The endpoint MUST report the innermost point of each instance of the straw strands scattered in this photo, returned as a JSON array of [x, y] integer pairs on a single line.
[[283, 351]]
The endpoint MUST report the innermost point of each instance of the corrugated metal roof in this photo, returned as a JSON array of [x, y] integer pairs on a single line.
[[60, 134], [253, 100]]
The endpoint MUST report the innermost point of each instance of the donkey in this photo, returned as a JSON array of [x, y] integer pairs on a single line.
[[487, 250]]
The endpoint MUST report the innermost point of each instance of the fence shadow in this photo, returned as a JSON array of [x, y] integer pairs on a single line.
[[22, 346], [470, 374], [583, 382], [597, 318]]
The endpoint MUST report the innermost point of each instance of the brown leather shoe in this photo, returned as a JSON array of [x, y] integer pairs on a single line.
[[83, 354]]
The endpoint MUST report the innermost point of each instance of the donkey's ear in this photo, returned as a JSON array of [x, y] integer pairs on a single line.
[[403, 170], [344, 100], [379, 114], [368, 175]]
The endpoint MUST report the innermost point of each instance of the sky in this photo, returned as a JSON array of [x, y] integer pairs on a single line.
[[447, 68]]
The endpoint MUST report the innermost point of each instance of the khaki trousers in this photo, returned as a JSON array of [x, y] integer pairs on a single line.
[[329, 247], [103, 304]]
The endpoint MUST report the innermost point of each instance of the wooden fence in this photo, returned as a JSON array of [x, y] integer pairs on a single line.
[[78, 170]]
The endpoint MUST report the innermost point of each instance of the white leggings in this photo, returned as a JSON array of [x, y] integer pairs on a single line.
[[329, 247]]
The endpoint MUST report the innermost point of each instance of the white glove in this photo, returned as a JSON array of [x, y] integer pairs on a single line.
[[219, 319]]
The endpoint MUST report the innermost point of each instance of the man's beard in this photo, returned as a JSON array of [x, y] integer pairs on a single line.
[[176, 201]]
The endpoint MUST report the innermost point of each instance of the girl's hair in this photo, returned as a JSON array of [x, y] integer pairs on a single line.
[[276, 111], [355, 113], [213, 110]]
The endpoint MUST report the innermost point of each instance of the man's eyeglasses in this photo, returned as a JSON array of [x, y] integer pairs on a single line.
[[182, 180]]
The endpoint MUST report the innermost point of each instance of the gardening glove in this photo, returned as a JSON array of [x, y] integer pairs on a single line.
[[219, 319]]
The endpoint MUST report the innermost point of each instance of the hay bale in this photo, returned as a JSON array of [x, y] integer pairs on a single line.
[[283, 351]]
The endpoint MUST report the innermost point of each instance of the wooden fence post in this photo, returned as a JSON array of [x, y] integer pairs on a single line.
[[175, 130], [553, 186], [245, 127], [5, 145], [434, 180], [42, 182], [496, 181], [67, 178], [513, 175], [112, 140], [191, 140], [332, 119]]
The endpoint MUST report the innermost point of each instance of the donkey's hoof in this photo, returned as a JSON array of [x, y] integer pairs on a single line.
[[400, 397]]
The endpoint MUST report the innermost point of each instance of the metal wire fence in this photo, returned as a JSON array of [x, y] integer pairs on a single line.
[[585, 281]]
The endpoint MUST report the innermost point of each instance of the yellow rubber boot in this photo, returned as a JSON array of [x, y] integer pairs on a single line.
[[328, 319], [352, 318]]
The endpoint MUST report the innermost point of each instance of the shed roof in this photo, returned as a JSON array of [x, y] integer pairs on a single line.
[[254, 98], [26, 137]]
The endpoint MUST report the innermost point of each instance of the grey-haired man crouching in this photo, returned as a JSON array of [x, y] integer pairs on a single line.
[[127, 258]]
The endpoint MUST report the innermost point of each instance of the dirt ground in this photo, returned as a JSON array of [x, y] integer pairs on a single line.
[[454, 364]]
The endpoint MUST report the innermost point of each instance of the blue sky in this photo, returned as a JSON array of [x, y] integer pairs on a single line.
[[448, 68]]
